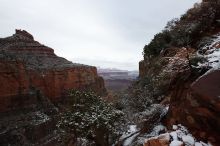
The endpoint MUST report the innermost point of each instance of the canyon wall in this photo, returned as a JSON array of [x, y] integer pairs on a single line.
[[33, 79], [192, 92], [185, 59], [26, 66]]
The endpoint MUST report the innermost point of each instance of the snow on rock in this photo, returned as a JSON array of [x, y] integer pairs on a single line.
[[211, 52], [130, 139], [188, 140], [198, 144], [167, 108], [174, 135], [132, 128], [176, 143], [130, 135], [157, 130], [175, 127], [178, 137]]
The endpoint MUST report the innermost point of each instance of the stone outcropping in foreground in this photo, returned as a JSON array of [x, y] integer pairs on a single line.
[[34, 79], [179, 136]]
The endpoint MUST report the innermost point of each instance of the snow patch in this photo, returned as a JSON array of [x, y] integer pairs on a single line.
[[188, 140], [178, 137], [129, 140], [132, 128], [211, 52], [198, 144], [175, 127], [174, 135], [130, 135], [176, 143]]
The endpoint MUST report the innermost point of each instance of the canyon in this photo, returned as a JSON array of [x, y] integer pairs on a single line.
[[175, 99], [33, 80], [117, 80]]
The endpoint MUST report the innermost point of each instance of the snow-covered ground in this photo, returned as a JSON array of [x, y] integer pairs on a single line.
[[131, 139], [130, 135], [211, 52], [179, 136], [182, 135]]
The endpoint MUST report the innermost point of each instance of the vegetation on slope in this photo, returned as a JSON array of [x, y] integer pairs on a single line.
[[186, 31], [92, 119]]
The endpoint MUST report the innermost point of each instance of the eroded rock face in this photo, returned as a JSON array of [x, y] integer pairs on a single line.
[[195, 101], [25, 64], [33, 79], [193, 96], [197, 106]]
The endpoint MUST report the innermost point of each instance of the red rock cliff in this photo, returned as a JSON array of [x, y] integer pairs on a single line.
[[194, 101], [27, 66], [193, 96]]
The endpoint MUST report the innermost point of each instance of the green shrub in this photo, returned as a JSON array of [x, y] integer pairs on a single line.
[[160, 41], [186, 31], [92, 118]]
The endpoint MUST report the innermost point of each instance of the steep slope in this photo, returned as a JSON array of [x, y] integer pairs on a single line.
[[184, 58], [195, 102]]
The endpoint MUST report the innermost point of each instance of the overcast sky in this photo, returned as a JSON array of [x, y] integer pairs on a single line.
[[105, 33]]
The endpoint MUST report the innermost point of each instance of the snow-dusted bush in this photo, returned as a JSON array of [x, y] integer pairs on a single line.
[[90, 117], [146, 91]]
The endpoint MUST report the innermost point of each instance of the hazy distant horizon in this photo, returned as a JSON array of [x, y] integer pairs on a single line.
[[106, 64], [104, 33]]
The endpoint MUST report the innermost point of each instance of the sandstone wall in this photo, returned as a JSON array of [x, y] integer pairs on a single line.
[[28, 67]]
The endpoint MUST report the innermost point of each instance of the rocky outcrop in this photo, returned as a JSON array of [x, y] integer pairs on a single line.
[[196, 105], [161, 140], [27, 66], [193, 92], [195, 101], [35, 125], [179, 136], [142, 68], [189, 67]]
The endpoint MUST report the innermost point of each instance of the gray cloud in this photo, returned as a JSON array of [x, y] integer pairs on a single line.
[[112, 32]]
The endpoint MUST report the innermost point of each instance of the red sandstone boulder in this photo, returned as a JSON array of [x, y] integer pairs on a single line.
[[161, 140], [197, 106]]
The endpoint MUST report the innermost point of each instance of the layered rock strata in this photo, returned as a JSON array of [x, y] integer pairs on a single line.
[[27, 65], [33, 79]]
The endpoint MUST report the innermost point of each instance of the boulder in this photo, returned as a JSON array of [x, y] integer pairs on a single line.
[[161, 140]]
